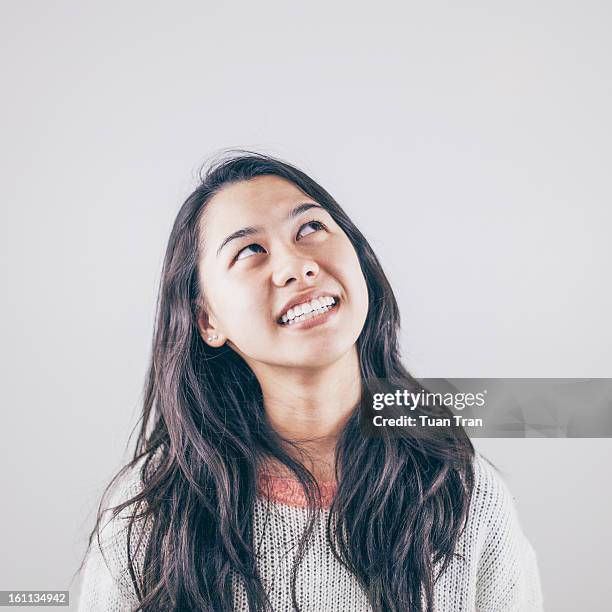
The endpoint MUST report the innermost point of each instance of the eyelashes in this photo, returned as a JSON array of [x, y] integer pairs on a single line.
[[245, 249], [313, 223]]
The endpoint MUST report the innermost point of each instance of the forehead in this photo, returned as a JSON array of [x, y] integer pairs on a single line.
[[260, 191], [258, 201]]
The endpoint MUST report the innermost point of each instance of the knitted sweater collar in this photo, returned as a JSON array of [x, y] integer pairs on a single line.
[[289, 491]]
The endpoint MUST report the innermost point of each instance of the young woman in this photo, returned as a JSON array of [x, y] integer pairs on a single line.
[[252, 486]]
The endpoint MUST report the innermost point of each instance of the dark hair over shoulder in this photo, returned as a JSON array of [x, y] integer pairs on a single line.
[[401, 503]]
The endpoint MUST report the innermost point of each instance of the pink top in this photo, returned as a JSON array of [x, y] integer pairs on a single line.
[[289, 490]]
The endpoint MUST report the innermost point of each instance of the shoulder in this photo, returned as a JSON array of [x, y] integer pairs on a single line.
[[492, 518], [107, 576], [115, 524], [491, 496], [506, 562]]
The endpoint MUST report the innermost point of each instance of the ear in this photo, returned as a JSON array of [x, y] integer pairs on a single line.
[[209, 330]]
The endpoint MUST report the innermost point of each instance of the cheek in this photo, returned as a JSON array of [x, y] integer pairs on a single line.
[[349, 268], [362, 293], [242, 309]]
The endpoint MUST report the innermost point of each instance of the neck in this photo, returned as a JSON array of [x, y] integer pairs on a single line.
[[310, 407]]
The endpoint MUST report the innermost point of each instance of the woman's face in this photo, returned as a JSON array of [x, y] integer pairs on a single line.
[[265, 247]]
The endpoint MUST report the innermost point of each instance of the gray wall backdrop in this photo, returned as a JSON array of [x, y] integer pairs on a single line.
[[470, 141]]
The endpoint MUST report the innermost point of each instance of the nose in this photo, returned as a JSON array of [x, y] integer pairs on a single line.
[[295, 268]]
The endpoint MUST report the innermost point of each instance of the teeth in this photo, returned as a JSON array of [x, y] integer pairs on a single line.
[[307, 310]]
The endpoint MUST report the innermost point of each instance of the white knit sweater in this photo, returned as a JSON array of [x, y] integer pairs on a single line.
[[498, 574]]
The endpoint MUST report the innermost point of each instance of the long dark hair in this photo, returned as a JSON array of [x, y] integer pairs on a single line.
[[401, 502]]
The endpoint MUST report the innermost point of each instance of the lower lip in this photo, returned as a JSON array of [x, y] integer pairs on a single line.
[[314, 321]]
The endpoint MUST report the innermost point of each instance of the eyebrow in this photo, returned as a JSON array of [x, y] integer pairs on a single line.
[[254, 229]]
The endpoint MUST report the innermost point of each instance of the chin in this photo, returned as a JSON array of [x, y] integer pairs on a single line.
[[319, 356]]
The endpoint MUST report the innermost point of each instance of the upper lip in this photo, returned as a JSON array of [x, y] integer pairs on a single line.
[[304, 297]]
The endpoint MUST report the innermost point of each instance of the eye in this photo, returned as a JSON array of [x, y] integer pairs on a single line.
[[243, 253], [316, 224]]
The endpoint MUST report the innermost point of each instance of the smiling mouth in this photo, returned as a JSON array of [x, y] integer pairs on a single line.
[[309, 310]]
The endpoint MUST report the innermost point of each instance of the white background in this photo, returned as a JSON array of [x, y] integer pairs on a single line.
[[471, 143]]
